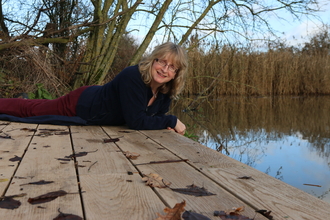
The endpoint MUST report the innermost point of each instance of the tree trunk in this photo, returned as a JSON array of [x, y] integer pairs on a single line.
[[103, 41]]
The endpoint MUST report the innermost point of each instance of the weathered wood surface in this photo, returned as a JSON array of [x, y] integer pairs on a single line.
[[104, 184]]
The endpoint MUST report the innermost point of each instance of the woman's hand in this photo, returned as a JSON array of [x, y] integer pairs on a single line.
[[179, 128]]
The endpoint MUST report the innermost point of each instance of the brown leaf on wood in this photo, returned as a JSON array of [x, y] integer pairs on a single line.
[[125, 131], [173, 214], [245, 177], [5, 136], [80, 154], [9, 203], [65, 216], [16, 158], [63, 159], [29, 129], [47, 197], [131, 155], [193, 190], [265, 213], [234, 213], [48, 132], [154, 180], [109, 140], [41, 182]]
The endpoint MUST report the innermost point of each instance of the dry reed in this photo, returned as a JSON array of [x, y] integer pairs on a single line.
[[238, 72]]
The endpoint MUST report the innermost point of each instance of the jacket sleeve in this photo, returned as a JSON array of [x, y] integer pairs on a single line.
[[133, 100]]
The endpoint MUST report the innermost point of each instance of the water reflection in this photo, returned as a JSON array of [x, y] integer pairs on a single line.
[[285, 137]]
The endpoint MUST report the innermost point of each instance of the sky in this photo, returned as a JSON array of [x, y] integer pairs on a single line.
[[296, 32]]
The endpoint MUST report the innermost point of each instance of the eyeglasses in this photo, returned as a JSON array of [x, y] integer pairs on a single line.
[[163, 63]]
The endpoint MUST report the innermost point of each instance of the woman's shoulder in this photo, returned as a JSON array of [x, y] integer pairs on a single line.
[[131, 71], [128, 76]]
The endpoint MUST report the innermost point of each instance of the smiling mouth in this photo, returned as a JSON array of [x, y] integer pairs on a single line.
[[160, 74]]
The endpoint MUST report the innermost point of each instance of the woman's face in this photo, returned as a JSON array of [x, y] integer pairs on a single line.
[[162, 71]]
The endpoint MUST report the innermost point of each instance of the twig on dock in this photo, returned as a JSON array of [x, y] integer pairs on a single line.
[[92, 165]]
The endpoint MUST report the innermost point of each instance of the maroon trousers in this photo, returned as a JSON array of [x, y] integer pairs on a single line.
[[65, 105]]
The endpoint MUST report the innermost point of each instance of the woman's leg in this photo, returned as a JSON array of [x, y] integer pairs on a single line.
[[65, 105]]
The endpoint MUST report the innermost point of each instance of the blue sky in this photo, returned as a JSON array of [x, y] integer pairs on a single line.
[[298, 31]]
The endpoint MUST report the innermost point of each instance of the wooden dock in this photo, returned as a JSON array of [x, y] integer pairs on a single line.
[[92, 178]]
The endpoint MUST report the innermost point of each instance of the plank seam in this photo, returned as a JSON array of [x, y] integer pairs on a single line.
[[77, 175]]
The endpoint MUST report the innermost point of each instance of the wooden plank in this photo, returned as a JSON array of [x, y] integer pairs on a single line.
[[264, 192], [40, 163], [112, 186], [180, 174], [133, 141], [11, 147]]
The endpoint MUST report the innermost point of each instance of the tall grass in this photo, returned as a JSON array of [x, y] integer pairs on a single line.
[[275, 72]]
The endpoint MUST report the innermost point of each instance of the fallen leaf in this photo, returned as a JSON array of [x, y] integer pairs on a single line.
[[46, 197], [174, 213], [154, 180], [265, 213], [3, 180], [5, 136], [125, 131], [131, 155], [246, 177], [65, 216], [9, 203], [16, 158], [80, 154], [48, 132], [109, 140], [29, 129], [193, 190], [234, 213], [41, 182], [189, 215], [63, 159]]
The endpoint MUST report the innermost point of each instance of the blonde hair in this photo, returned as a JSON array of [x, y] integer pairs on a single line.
[[179, 57]]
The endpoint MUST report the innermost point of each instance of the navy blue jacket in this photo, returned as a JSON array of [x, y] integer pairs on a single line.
[[124, 100]]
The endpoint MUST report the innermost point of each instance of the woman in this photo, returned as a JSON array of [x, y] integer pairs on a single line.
[[139, 96]]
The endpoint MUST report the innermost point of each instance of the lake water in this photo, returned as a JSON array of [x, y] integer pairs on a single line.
[[285, 137]]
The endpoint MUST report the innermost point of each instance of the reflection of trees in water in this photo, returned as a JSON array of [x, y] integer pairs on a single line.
[[323, 195], [320, 144], [239, 123], [278, 175]]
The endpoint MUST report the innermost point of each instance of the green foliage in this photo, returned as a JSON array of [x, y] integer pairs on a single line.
[[191, 135], [40, 93]]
